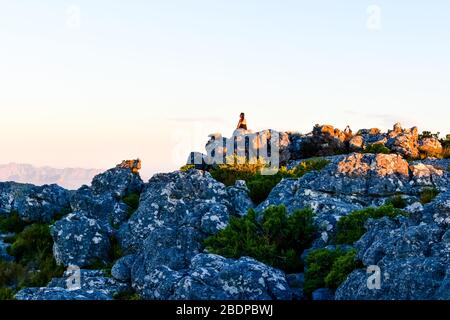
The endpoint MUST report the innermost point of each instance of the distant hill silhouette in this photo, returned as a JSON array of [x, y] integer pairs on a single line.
[[70, 178]]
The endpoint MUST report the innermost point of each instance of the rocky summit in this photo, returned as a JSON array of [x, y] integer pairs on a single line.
[[380, 226]]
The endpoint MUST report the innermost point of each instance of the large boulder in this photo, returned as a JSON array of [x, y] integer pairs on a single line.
[[33, 203], [104, 200], [413, 259], [240, 198], [173, 203], [404, 141], [94, 285], [430, 147], [117, 181], [80, 240], [212, 277], [325, 140]]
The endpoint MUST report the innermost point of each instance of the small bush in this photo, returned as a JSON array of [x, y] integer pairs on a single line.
[[7, 294], [428, 134], [12, 223], [427, 195], [127, 295], [260, 185], [398, 202], [33, 250], [132, 201], [351, 228], [12, 274], [328, 268], [275, 238], [377, 148], [187, 167]]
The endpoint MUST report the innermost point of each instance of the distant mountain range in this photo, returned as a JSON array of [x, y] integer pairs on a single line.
[[70, 178]]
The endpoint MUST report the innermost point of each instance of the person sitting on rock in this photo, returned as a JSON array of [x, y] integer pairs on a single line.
[[242, 124]]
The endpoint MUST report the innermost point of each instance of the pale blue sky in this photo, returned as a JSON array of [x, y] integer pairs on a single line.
[[153, 78]]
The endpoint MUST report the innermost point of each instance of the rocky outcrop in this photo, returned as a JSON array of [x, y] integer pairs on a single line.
[[323, 140], [176, 205], [33, 203], [212, 277], [413, 258], [430, 147], [177, 211], [239, 198], [103, 201], [95, 285], [403, 141], [80, 241], [351, 183]]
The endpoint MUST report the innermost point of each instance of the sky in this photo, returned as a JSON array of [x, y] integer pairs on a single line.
[[90, 83]]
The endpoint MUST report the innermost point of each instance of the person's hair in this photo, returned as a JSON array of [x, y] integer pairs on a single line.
[[242, 114]]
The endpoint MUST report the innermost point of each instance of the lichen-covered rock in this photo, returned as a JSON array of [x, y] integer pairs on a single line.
[[117, 181], [239, 198], [415, 278], [80, 241], [323, 294], [122, 268], [413, 259], [356, 143], [438, 211], [404, 141], [33, 203], [324, 140], [176, 202], [94, 286], [212, 277], [104, 207], [430, 147]]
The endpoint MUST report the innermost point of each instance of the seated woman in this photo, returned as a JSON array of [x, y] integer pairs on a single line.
[[242, 124]]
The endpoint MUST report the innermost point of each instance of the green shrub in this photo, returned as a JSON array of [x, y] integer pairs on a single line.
[[428, 194], [187, 167], [127, 295], [351, 228], [7, 294], [132, 201], [398, 202], [12, 223], [260, 185], [12, 274], [428, 134], [275, 238], [376, 148], [33, 251], [328, 268]]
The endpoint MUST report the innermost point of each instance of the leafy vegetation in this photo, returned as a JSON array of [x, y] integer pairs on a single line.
[[132, 201], [351, 227], [261, 185], [377, 148], [397, 201], [127, 295], [274, 238], [12, 223], [328, 268], [187, 167], [34, 265], [6, 294], [428, 194], [429, 134]]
